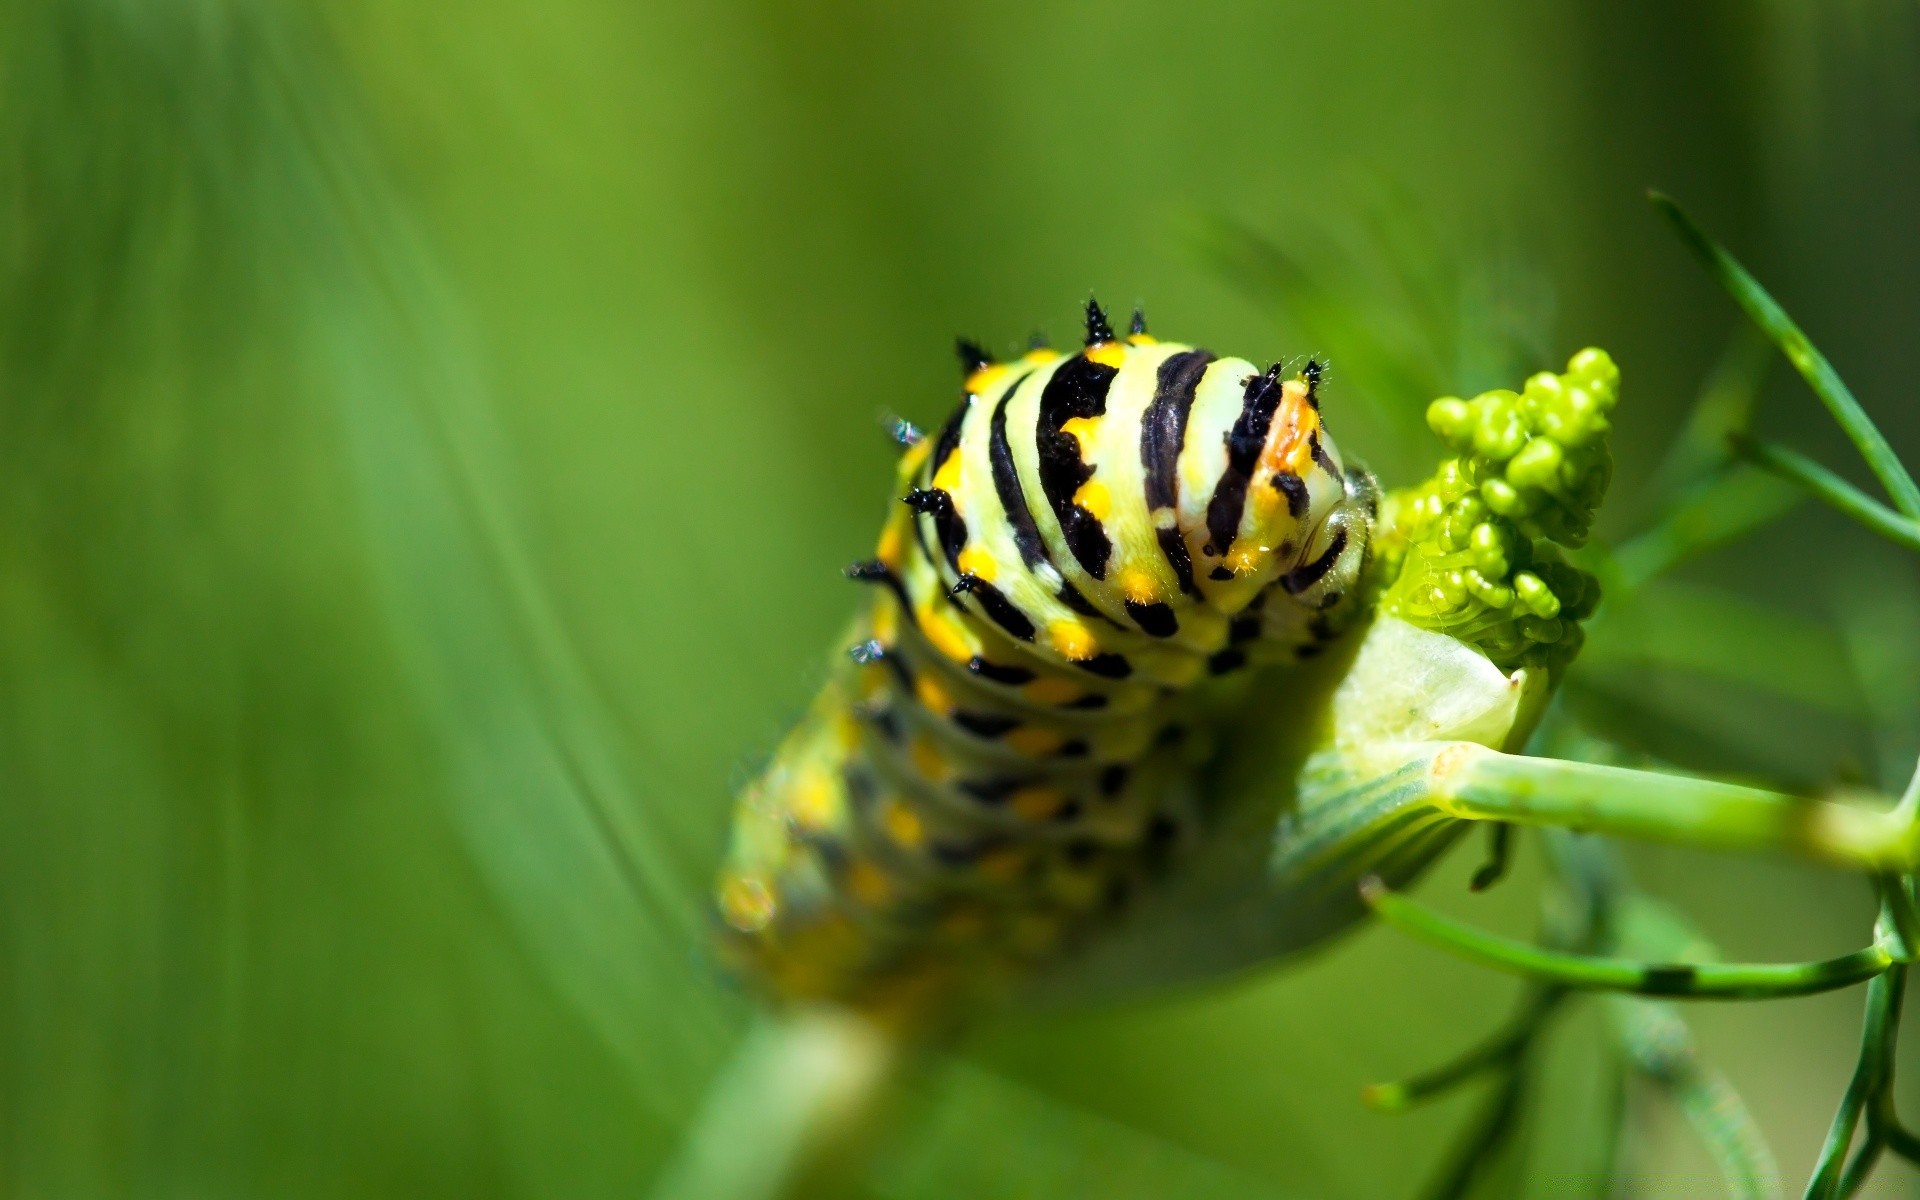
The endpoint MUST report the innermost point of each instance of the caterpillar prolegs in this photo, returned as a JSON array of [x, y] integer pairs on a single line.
[[1091, 546]]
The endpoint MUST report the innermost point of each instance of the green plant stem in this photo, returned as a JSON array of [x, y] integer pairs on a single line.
[[1698, 981], [1501, 1051], [1871, 1075], [1470, 781], [1813, 366], [1901, 914], [1830, 489]]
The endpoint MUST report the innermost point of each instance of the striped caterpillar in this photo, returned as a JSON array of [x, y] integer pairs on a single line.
[[1091, 548]]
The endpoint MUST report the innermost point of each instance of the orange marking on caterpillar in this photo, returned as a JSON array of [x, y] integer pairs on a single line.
[[1290, 447]]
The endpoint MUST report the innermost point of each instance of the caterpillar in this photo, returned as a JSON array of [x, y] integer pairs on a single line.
[[1088, 548]]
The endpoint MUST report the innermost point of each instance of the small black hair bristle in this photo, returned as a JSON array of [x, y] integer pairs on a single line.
[[1098, 330], [972, 355], [1139, 325], [1312, 374]]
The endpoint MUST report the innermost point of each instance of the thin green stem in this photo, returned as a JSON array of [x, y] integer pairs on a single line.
[[1858, 1170], [1813, 366], [1830, 489], [1492, 1131], [1692, 981], [1501, 1051], [1901, 914], [1903, 1142], [1870, 1073]]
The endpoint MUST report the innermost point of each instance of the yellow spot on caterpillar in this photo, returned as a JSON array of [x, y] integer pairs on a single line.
[[1107, 354], [884, 624], [846, 729], [915, 455], [1245, 559], [985, 377], [933, 694], [1033, 740], [1139, 586], [944, 634], [867, 884], [927, 759], [976, 561], [893, 541], [947, 477], [1036, 803], [1084, 430], [1142, 339], [813, 801], [1038, 355], [1073, 640], [1052, 689], [903, 825], [746, 903], [1094, 497]]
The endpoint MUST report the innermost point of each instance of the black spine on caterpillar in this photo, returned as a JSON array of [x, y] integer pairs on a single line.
[[998, 763]]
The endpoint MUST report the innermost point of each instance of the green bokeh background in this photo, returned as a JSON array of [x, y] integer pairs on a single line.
[[428, 437]]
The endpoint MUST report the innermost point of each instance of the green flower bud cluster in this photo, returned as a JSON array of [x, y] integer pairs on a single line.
[[1541, 454], [1471, 552]]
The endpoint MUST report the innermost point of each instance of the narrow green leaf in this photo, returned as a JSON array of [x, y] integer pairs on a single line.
[[1830, 489], [1813, 366]]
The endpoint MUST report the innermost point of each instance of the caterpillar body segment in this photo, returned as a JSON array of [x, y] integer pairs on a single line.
[[1087, 551]]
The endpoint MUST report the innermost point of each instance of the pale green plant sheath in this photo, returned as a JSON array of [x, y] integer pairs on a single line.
[[1474, 783]]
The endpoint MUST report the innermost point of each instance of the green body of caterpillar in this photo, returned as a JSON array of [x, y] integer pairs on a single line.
[[1005, 755], [1088, 554]]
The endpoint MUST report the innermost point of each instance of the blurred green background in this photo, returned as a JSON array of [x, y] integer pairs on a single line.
[[429, 435]]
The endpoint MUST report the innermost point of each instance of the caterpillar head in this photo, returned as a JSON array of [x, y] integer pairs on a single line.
[[1286, 507]]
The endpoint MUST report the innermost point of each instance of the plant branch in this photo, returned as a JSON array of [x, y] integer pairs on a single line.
[[1830, 489], [1693, 981]]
